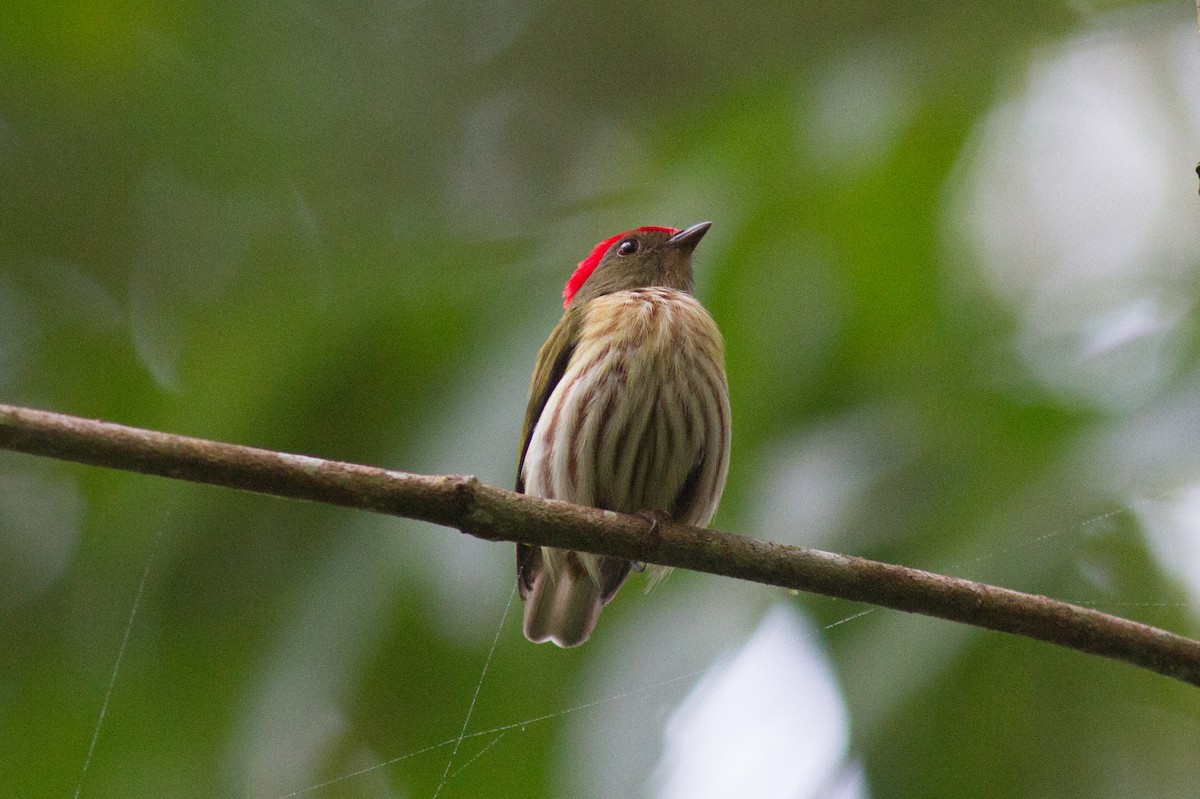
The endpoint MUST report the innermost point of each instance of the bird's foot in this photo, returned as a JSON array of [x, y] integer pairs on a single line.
[[657, 519]]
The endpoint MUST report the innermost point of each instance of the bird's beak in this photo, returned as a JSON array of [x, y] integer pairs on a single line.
[[687, 240]]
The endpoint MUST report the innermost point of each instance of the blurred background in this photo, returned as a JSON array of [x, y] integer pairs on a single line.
[[954, 257]]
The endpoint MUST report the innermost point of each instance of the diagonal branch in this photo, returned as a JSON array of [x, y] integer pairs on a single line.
[[497, 515]]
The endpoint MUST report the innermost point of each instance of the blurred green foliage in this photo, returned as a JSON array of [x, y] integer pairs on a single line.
[[342, 230]]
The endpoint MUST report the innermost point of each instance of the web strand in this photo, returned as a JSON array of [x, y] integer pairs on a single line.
[[116, 669], [499, 732], [1090, 521], [520, 726], [490, 744], [502, 729], [446, 776]]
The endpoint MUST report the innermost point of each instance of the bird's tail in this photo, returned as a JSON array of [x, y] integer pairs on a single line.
[[565, 591], [562, 608]]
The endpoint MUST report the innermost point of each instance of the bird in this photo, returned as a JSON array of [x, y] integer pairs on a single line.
[[628, 411]]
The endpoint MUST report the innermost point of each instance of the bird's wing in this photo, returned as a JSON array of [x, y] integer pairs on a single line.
[[551, 366]]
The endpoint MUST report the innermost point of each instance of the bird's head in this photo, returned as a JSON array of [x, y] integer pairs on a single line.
[[647, 256]]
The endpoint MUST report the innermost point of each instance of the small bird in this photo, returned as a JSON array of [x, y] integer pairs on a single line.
[[628, 411]]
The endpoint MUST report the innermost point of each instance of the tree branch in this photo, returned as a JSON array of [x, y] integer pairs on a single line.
[[497, 515]]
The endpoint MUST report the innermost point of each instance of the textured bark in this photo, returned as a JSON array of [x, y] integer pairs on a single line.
[[498, 515]]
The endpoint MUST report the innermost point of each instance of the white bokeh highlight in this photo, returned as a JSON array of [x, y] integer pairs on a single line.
[[815, 484], [1172, 526], [767, 722], [857, 104], [1077, 200], [1070, 198], [40, 516]]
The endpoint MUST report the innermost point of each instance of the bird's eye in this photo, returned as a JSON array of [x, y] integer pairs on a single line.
[[628, 247]]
